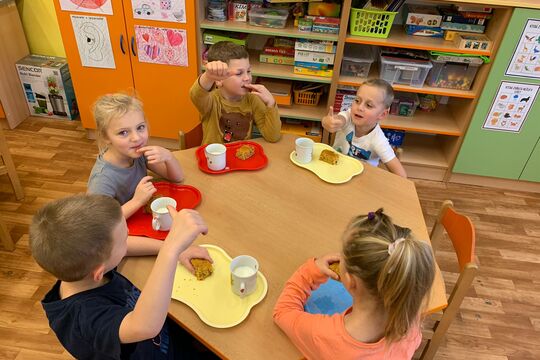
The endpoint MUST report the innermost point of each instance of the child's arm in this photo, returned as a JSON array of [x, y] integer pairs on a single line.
[[162, 162], [144, 246], [333, 123], [200, 90], [143, 193], [289, 312], [265, 113], [148, 316], [395, 167]]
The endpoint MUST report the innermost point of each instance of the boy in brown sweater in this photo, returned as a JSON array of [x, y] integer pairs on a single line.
[[228, 102]]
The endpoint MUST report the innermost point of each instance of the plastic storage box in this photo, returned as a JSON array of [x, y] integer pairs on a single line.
[[357, 60], [372, 23], [453, 72], [404, 71], [273, 18], [404, 104]]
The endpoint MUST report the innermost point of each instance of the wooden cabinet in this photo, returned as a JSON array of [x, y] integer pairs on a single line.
[[162, 88], [433, 139]]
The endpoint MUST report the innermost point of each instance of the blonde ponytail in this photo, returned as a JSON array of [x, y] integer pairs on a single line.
[[394, 266]]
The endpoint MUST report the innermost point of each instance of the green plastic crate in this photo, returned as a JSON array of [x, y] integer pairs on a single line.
[[372, 23]]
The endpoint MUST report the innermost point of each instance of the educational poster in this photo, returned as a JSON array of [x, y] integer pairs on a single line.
[[161, 45], [511, 106], [93, 41], [103, 7], [526, 59], [162, 10]]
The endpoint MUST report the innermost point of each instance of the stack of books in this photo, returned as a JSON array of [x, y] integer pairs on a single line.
[[278, 51], [467, 18], [314, 57], [344, 99]]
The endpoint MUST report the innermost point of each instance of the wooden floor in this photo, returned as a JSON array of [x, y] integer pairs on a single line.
[[500, 318]]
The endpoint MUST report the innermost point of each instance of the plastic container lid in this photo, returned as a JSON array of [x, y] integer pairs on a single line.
[[358, 53]]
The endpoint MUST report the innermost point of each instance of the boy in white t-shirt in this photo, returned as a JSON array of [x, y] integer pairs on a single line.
[[358, 132]]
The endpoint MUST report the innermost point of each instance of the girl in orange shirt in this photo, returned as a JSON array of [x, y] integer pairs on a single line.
[[387, 272]]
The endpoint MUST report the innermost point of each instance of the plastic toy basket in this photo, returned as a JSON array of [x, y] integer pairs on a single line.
[[372, 23], [308, 95]]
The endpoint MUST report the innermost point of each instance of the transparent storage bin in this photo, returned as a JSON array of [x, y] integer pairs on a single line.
[[404, 104], [357, 60], [457, 74], [272, 18], [404, 71]]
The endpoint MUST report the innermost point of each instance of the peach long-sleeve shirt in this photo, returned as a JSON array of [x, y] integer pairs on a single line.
[[325, 337]]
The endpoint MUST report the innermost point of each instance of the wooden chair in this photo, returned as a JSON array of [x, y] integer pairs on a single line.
[[190, 139], [7, 167], [460, 230]]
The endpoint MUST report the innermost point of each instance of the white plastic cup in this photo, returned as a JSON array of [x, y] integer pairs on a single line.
[[216, 156], [161, 218], [244, 270], [304, 150]]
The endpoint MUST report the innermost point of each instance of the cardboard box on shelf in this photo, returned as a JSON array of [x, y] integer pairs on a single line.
[[280, 89], [47, 85]]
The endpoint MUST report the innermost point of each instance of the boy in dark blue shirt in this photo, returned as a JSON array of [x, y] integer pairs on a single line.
[[95, 312]]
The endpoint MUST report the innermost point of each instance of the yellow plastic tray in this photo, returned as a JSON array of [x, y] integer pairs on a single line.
[[343, 171], [212, 298]]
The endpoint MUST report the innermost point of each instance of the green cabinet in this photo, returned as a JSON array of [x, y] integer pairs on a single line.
[[507, 153]]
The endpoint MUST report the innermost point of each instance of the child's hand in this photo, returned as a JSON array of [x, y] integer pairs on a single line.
[[155, 154], [144, 190], [193, 252], [217, 70], [187, 225], [331, 122], [323, 263], [262, 92]]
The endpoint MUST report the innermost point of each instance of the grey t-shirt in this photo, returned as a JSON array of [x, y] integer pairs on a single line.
[[116, 182]]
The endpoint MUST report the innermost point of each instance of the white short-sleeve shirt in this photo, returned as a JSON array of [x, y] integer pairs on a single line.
[[371, 147]]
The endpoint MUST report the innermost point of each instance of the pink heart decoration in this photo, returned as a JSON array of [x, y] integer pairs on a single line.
[[174, 38], [152, 51], [158, 36], [89, 4], [146, 37]]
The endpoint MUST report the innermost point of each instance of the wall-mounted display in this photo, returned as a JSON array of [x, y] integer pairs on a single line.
[[103, 7], [161, 10], [93, 41], [511, 106], [526, 59], [161, 45]]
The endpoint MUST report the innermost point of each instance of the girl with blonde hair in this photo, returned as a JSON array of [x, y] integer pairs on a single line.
[[388, 274]]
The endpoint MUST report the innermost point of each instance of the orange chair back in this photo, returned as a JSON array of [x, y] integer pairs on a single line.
[[460, 229]]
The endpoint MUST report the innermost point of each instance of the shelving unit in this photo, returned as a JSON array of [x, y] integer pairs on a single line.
[[433, 138]]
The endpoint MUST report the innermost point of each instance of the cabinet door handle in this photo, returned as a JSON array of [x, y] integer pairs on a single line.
[[133, 46], [122, 44]]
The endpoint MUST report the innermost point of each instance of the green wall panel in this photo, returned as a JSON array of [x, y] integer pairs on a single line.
[[498, 153], [532, 169]]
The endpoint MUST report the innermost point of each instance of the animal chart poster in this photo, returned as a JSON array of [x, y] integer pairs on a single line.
[[162, 10], [526, 59], [93, 41], [161, 45], [511, 106], [103, 7]]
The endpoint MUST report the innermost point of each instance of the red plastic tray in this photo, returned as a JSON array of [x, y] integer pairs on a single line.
[[187, 197], [256, 162]]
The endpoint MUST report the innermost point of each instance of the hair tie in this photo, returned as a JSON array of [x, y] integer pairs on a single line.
[[392, 245], [371, 215]]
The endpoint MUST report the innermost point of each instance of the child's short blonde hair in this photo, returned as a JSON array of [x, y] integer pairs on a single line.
[[226, 51], [112, 106], [70, 237], [384, 86], [394, 267]]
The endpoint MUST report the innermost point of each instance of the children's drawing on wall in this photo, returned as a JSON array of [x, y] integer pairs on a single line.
[[89, 6], [93, 41], [162, 45], [526, 59], [162, 10], [511, 106]]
